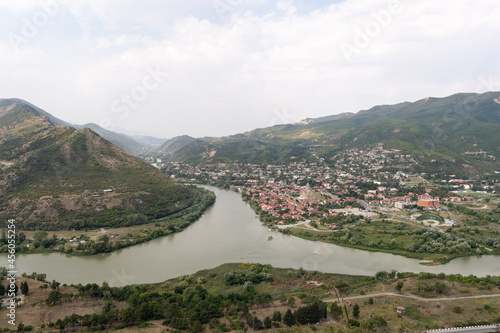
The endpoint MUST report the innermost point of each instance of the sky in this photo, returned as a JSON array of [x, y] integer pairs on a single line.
[[220, 67]]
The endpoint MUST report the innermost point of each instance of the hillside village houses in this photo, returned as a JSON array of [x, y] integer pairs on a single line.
[[301, 189]]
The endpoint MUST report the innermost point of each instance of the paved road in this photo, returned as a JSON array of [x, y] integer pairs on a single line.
[[473, 329], [367, 206], [413, 296], [304, 223]]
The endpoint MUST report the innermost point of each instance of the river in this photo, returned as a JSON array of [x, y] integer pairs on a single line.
[[229, 232]]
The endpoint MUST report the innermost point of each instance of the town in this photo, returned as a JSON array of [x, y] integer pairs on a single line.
[[358, 182]]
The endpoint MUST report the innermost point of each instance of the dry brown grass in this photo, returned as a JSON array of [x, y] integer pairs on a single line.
[[33, 311]]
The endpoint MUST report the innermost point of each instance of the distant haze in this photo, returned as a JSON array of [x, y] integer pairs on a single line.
[[218, 67]]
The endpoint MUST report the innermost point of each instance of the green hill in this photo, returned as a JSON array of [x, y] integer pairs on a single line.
[[122, 141], [175, 144], [125, 142], [56, 177], [462, 129]]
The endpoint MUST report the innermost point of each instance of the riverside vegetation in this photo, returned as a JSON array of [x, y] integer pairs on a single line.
[[90, 242], [241, 297], [55, 179]]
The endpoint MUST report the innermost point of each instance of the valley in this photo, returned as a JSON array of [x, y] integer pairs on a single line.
[[370, 200], [227, 166], [305, 201], [57, 178]]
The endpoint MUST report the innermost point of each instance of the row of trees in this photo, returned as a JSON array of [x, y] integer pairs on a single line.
[[24, 288], [309, 314]]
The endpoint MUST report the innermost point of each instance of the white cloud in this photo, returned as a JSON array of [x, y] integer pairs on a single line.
[[231, 76]]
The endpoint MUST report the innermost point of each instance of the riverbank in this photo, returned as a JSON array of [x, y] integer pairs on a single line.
[[229, 232], [248, 296], [435, 245], [428, 259], [104, 240]]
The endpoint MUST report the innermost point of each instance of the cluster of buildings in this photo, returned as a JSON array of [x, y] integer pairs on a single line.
[[295, 202], [300, 188]]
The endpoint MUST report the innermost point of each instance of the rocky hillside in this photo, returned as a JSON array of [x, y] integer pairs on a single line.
[[56, 177]]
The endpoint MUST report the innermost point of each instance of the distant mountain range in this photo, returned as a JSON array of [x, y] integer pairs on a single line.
[[131, 144], [53, 176], [462, 130]]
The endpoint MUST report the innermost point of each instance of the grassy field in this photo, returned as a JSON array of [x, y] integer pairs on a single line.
[[398, 236]]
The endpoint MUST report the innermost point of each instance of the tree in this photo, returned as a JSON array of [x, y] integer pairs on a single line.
[[355, 310], [257, 324], [291, 301], [249, 319], [312, 313], [24, 288], [441, 288], [276, 317], [302, 297], [267, 322], [40, 235], [73, 320], [263, 299], [54, 297], [382, 275], [2, 290], [353, 322], [55, 285], [21, 237], [399, 286], [104, 239], [288, 319], [370, 300], [336, 311], [197, 327], [40, 277]]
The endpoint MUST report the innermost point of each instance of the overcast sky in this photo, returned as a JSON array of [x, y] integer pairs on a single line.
[[220, 67]]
